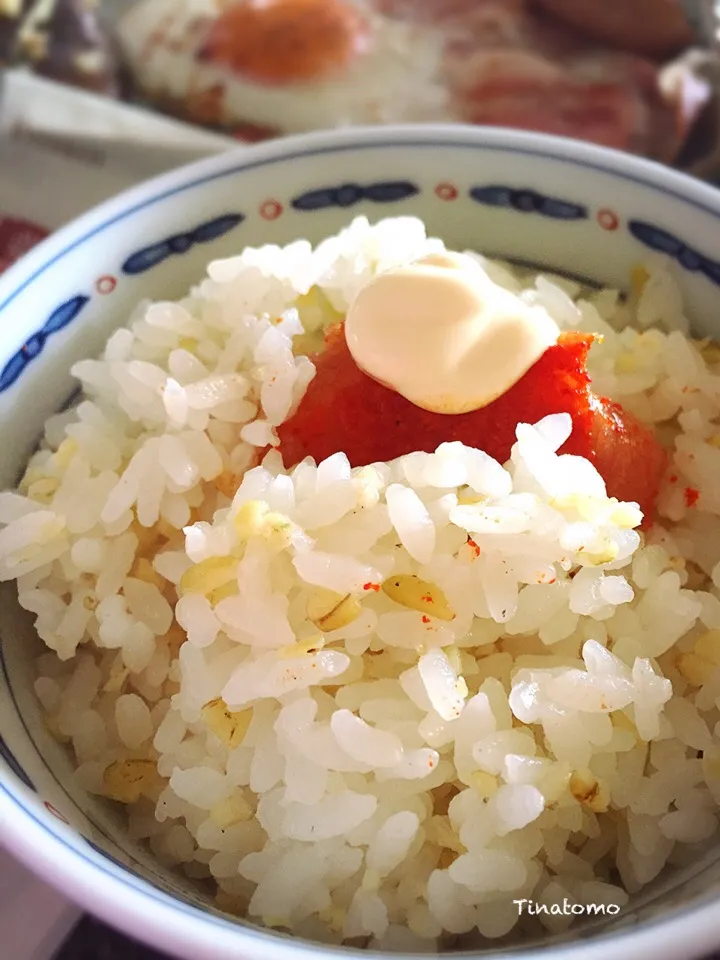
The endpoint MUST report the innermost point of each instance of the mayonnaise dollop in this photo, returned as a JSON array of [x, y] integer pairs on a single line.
[[440, 333]]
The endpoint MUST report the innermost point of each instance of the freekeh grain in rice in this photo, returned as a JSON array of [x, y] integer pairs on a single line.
[[377, 705]]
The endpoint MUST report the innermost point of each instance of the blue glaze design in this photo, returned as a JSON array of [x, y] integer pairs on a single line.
[[58, 319], [141, 872], [348, 194], [64, 315], [131, 864], [12, 370], [711, 269], [664, 242], [110, 857], [217, 227], [10, 760], [139, 262], [143, 260], [655, 238], [528, 201], [147, 258]]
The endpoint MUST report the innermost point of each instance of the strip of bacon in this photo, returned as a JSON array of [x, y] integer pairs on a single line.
[[655, 28]]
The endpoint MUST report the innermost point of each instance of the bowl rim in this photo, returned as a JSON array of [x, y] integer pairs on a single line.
[[160, 919], [644, 172]]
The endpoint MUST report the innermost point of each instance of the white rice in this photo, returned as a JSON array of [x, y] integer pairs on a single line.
[[377, 705]]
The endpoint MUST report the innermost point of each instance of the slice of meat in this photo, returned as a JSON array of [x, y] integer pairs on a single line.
[[254, 132], [17, 237], [345, 410], [484, 22], [655, 28], [275, 42], [613, 99], [609, 113], [668, 104], [510, 67]]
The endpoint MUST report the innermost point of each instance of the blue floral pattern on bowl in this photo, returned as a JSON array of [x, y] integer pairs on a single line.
[[349, 194], [528, 201], [10, 760], [664, 242], [180, 243], [59, 318]]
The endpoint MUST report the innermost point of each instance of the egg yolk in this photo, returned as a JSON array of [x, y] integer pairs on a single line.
[[277, 42]]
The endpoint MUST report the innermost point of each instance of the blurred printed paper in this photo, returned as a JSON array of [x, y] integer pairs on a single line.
[[63, 151]]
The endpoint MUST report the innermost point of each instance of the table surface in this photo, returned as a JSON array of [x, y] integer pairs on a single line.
[[92, 940]]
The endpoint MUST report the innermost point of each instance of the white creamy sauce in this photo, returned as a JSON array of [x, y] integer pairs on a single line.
[[444, 336]]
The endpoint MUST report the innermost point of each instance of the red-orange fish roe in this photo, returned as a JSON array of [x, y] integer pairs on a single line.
[[691, 496], [278, 42], [345, 410]]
